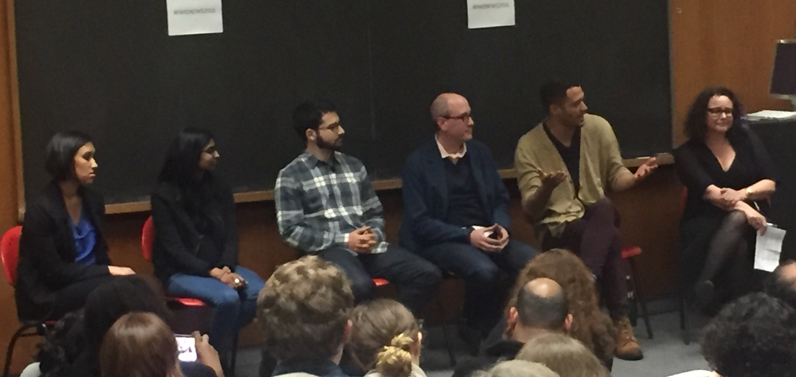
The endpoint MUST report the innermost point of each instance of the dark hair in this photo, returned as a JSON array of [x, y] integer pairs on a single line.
[[62, 345], [781, 287], [61, 151], [695, 124], [554, 91], [138, 345], [182, 158], [753, 336], [541, 312], [309, 115]]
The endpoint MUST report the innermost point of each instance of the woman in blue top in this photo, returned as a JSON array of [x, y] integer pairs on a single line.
[[195, 252], [62, 253]]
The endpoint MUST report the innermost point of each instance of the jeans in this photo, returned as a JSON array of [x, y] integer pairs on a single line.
[[487, 276], [415, 279], [232, 309]]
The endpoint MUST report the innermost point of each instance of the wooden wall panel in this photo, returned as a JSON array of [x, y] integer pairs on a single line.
[[730, 43]]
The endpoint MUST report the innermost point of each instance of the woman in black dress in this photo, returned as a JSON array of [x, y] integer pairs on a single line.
[[729, 178]]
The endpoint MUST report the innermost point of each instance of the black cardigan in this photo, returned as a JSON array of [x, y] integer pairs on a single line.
[[47, 251], [177, 241]]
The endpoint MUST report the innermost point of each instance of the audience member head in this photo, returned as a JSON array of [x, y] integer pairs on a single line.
[[782, 283], [754, 336], [304, 311], [589, 324], [563, 102], [453, 117], [318, 124], [540, 304], [518, 368], [563, 355], [139, 345], [70, 156], [108, 302], [384, 336], [192, 152], [62, 345], [716, 109]]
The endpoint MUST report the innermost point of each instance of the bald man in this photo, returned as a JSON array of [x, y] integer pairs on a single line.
[[541, 307], [781, 283], [456, 214]]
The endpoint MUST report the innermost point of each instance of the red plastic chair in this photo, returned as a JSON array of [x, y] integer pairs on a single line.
[[9, 254], [634, 293]]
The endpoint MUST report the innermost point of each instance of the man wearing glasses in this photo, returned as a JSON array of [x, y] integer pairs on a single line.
[[563, 165], [456, 214], [326, 206]]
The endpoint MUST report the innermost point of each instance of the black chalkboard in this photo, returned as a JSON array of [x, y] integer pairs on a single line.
[[109, 68]]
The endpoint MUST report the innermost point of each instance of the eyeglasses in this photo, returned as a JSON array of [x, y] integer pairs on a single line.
[[717, 111], [463, 117]]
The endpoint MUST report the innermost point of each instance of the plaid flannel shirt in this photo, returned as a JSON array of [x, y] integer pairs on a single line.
[[319, 203]]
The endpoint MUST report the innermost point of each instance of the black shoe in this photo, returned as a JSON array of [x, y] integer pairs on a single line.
[[704, 293]]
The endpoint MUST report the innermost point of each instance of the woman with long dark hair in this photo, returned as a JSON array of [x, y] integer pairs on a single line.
[[729, 178], [62, 252], [195, 252]]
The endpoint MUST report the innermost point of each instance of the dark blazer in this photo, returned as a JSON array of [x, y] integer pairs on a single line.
[[425, 196], [177, 241], [47, 250]]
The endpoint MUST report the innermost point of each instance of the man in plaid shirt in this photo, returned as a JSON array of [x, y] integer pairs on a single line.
[[326, 205]]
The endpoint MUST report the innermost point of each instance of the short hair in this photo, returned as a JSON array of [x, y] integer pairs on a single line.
[[61, 151], [563, 355], [553, 92], [378, 324], [542, 312], [182, 157], [753, 336], [304, 308], [695, 123], [781, 287], [518, 368], [138, 344], [309, 115]]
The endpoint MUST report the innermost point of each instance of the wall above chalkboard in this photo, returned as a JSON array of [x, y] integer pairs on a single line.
[[110, 69]]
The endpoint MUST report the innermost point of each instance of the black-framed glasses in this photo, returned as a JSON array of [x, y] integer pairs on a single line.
[[717, 111], [463, 117]]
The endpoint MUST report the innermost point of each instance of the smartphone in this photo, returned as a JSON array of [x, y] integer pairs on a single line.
[[186, 348], [495, 235]]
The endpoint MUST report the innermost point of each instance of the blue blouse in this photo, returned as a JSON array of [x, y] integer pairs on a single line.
[[85, 239]]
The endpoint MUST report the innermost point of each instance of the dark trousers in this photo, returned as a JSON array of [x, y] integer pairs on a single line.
[[73, 296], [487, 276], [415, 279], [595, 239]]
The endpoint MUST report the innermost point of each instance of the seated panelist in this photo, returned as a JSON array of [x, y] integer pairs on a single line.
[[456, 213], [729, 177], [62, 252], [195, 252]]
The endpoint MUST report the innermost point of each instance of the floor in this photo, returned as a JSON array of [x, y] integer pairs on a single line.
[[664, 355]]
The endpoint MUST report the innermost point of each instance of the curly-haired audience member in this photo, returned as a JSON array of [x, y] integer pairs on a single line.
[[590, 325], [754, 336], [385, 340], [304, 311], [563, 355]]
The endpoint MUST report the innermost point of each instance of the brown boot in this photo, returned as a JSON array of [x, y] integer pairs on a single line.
[[627, 347]]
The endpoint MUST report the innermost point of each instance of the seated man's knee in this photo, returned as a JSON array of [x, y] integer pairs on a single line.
[[485, 275], [429, 275], [363, 289]]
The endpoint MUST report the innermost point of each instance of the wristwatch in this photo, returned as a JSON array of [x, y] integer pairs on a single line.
[[748, 192]]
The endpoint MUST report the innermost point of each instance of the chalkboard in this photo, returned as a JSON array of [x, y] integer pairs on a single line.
[[110, 69]]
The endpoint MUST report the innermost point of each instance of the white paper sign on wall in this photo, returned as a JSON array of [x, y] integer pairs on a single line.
[[490, 13], [187, 17]]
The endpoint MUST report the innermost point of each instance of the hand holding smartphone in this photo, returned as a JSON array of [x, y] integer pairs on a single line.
[[186, 348]]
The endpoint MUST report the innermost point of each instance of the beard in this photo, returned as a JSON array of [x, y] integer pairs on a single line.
[[328, 145]]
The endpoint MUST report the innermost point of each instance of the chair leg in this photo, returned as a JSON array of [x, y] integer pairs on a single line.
[[233, 360], [448, 341], [640, 299], [683, 321], [10, 351]]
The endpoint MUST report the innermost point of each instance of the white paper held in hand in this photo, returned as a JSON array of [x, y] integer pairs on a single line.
[[768, 248], [187, 17]]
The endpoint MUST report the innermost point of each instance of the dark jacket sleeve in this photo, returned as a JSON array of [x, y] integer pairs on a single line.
[[690, 170], [425, 229], [500, 212], [229, 256], [166, 233], [762, 159], [40, 244]]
